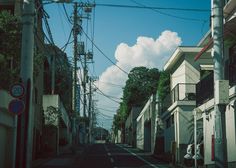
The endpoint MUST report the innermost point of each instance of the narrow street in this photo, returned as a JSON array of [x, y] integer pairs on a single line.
[[104, 156]]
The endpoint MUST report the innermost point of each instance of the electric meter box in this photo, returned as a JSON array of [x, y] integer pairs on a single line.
[[221, 91]]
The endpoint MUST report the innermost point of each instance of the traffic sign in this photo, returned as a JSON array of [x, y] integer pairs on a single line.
[[17, 90], [16, 106]]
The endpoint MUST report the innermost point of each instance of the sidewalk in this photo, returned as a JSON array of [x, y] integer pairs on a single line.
[[67, 159]]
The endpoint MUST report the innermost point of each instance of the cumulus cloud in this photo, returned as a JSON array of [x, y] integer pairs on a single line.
[[148, 52]]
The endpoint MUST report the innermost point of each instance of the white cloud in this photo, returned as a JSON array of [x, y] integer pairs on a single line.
[[148, 52]]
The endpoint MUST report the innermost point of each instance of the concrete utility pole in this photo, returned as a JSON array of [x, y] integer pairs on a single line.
[[217, 54], [25, 125], [84, 83], [76, 31]]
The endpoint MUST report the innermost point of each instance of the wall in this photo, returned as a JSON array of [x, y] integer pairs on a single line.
[[146, 133], [140, 133], [208, 129], [7, 132]]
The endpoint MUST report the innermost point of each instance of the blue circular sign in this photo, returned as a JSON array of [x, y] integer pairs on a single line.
[[17, 90], [16, 106]]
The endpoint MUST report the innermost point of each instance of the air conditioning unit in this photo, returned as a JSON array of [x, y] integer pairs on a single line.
[[191, 96]]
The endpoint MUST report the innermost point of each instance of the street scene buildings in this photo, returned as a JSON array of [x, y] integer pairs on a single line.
[[193, 124]]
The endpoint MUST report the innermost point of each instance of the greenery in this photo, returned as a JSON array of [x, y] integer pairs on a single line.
[[51, 115], [10, 44], [10, 50], [141, 84], [164, 85]]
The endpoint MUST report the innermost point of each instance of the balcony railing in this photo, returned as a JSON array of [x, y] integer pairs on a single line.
[[181, 92], [205, 89]]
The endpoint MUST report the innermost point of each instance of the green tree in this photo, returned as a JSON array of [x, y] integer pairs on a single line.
[[10, 33], [141, 84]]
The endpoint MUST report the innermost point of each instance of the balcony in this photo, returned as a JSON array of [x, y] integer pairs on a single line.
[[181, 92], [205, 89]]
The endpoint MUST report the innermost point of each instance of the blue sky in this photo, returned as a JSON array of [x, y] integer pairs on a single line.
[[119, 32]]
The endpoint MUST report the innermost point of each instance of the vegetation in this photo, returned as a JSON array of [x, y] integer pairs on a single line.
[[10, 50], [164, 85], [10, 44], [141, 84]]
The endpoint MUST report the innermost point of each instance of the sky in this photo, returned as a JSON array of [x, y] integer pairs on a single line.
[[128, 37]]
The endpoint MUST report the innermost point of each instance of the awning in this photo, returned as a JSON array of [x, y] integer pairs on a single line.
[[204, 49]]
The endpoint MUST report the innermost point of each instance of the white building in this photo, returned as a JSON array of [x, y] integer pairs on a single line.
[[205, 91], [177, 112]]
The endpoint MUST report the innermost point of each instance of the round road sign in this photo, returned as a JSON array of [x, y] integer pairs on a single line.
[[17, 90], [16, 106]]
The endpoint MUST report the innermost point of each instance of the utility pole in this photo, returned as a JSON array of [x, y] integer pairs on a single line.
[[90, 109], [84, 83], [25, 125], [76, 31], [217, 54]]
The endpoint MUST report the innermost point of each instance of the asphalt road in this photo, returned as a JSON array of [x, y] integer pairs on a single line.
[[117, 156]]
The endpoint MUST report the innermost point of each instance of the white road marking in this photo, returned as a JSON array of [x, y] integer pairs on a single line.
[[109, 154], [112, 160], [134, 154]]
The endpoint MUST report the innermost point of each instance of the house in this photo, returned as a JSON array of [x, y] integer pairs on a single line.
[[176, 109], [205, 98], [146, 126]]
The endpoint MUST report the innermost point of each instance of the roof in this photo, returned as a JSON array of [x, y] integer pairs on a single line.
[[178, 53]]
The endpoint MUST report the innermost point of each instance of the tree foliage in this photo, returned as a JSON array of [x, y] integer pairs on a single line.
[[10, 50], [10, 33], [141, 84]]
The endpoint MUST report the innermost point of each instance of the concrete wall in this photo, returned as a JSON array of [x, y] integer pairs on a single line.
[[169, 136], [7, 132], [208, 128], [183, 119], [146, 124], [57, 131]]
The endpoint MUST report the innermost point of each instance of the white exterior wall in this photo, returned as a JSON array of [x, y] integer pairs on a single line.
[[147, 114], [185, 73], [184, 120], [231, 132], [140, 133], [178, 76], [208, 129]]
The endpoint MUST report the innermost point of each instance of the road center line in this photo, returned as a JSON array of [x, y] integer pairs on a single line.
[[109, 154], [139, 157]]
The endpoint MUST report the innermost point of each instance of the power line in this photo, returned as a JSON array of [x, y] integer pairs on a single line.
[[111, 84], [170, 15], [153, 7], [112, 97], [106, 95], [106, 110], [104, 54], [67, 16]]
